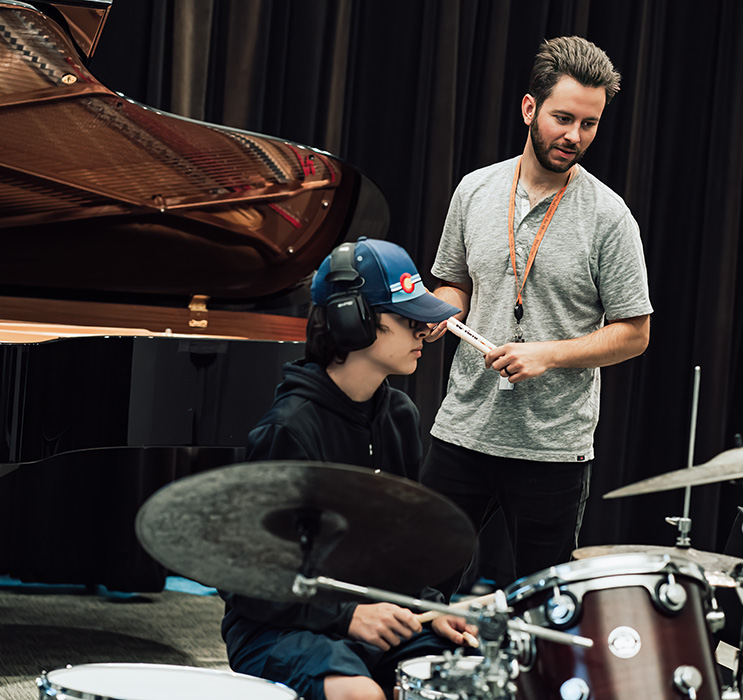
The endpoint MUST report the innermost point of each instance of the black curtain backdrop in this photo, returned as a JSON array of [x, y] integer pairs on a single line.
[[416, 93]]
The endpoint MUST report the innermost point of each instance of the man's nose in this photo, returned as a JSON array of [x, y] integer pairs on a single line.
[[573, 133]]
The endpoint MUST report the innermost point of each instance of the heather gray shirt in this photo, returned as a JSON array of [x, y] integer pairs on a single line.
[[590, 267]]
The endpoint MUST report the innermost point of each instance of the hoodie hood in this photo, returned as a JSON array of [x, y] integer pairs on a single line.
[[310, 381]]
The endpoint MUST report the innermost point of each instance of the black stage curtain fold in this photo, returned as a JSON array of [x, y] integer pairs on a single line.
[[417, 93]]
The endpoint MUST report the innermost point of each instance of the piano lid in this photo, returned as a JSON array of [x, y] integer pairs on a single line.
[[103, 198], [84, 20]]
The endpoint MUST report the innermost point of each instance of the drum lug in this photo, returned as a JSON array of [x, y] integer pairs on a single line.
[[561, 609], [715, 617], [575, 689], [671, 595], [688, 679]]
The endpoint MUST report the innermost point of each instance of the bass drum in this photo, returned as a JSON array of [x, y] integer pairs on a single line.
[[646, 615]]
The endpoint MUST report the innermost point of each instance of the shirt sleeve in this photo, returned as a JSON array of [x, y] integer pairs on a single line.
[[450, 264], [623, 280]]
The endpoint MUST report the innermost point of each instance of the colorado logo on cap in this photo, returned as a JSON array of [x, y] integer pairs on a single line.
[[407, 283], [407, 288]]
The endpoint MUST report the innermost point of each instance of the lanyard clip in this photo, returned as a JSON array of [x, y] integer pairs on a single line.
[[518, 311]]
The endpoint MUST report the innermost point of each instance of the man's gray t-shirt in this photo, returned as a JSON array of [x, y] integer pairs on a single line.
[[590, 268]]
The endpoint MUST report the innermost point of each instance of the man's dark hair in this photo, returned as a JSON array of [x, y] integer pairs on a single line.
[[577, 58], [320, 346]]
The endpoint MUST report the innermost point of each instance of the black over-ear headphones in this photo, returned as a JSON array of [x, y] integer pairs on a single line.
[[349, 318]]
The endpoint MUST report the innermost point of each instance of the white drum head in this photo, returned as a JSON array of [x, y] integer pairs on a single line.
[[161, 682]]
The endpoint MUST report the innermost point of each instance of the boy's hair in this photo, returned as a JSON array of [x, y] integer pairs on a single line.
[[577, 58]]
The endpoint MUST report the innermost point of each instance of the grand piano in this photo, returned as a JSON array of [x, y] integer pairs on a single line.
[[154, 278]]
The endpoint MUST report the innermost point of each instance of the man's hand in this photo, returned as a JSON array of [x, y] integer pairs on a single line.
[[519, 361], [455, 294], [384, 625], [437, 330], [451, 627]]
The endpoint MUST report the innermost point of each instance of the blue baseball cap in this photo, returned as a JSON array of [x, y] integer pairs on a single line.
[[387, 279]]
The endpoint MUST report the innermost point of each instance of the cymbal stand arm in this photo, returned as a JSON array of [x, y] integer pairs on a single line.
[[308, 586], [376, 594]]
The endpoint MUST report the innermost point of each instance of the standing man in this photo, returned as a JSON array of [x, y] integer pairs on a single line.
[[369, 317], [515, 431]]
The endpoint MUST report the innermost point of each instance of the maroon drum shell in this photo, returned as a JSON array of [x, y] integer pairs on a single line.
[[667, 642]]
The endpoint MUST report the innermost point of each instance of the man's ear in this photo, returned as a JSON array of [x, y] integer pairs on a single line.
[[528, 109]]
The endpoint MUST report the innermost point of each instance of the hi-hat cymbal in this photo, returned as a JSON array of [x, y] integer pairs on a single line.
[[725, 466], [717, 567], [234, 528]]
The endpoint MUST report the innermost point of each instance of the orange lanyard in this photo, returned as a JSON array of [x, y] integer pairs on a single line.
[[518, 310]]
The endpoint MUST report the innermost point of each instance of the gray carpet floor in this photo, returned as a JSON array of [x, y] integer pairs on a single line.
[[49, 628]]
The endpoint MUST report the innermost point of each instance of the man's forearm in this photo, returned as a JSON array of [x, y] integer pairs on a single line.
[[614, 343], [456, 295]]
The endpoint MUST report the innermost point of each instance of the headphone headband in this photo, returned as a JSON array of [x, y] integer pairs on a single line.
[[341, 264]]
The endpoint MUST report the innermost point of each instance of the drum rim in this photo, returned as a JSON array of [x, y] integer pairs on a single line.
[[635, 563], [431, 657], [46, 680]]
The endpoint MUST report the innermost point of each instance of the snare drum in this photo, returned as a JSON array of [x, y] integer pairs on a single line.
[[646, 615], [436, 678], [155, 682]]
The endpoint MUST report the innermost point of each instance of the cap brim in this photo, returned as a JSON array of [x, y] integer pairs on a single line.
[[426, 308]]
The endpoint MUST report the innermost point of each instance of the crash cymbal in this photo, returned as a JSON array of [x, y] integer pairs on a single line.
[[727, 465], [235, 528], [717, 567]]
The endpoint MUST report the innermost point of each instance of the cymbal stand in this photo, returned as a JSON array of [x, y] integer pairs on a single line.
[[684, 522]]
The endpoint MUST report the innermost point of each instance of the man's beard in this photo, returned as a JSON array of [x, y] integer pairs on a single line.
[[541, 150]]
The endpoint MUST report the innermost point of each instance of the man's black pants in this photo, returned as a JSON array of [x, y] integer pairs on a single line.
[[542, 502]]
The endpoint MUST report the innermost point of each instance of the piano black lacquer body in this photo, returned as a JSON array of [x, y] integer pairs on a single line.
[[153, 280]]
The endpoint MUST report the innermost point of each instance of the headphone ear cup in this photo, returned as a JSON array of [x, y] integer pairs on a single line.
[[350, 321]]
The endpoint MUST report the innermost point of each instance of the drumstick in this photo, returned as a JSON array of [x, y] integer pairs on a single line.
[[461, 605], [467, 334], [471, 640]]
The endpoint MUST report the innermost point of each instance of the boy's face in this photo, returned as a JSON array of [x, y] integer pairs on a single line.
[[398, 345]]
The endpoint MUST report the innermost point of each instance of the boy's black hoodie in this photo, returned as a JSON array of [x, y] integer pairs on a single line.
[[312, 419]]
